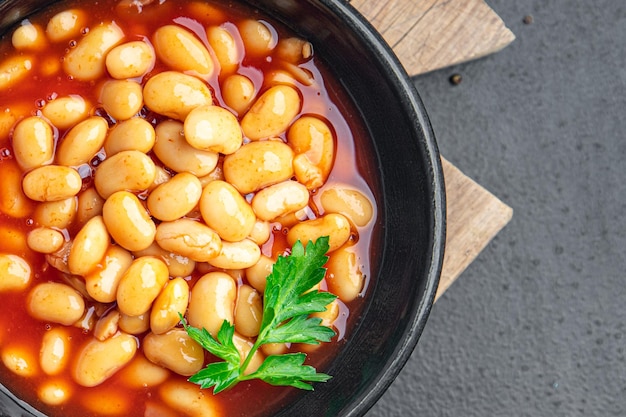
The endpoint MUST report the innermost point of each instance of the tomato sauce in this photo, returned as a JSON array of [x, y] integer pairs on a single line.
[[47, 81]]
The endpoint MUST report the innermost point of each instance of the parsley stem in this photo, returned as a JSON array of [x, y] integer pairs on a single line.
[[249, 356], [260, 340], [288, 303]]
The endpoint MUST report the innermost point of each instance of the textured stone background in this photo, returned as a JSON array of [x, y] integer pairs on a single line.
[[537, 325]]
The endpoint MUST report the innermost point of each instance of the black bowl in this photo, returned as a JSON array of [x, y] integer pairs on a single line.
[[410, 195]]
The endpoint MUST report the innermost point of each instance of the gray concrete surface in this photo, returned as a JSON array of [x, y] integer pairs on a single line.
[[537, 325]]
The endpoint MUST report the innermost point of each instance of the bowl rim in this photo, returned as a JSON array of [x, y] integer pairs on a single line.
[[402, 81], [418, 317]]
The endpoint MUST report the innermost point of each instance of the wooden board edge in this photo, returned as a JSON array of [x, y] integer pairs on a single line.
[[436, 34], [505, 40], [474, 218]]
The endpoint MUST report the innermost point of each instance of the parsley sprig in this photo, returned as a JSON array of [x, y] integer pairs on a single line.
[[287, 303]]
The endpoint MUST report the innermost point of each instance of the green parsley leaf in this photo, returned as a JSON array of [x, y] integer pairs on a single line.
[[220, 375], [288, 301], [288, 369], [301, 329], [223, 347]]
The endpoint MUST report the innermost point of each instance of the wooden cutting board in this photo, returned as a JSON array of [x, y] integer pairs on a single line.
[[432, 34]]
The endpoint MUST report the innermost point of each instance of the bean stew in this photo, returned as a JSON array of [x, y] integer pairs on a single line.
[[155, 159]]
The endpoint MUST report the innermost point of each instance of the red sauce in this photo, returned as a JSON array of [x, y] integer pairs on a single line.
[[19, 329]]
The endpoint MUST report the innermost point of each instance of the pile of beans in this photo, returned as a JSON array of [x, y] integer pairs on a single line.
[[160, 176]]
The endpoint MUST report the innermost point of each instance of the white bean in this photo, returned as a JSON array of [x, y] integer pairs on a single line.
[[333, 225], [19, 360], [33, 142], [244, 345], [51, 183], [128, 222], [313, 143], [209, 13], [122, 99], [126, 170], [174, 151], [101, 283], [174, 350], [189, 238], [15, 69], [13, 201], [213, 128], [329, 315], [291, 219], [238, 92], [274, 348], [97, 361], [189, 400], [30, 37], [117, 402], [237, 255], [216, 174], [66, 24], [57, 214], [347, 201], [134, 324], [212, 301], [257, 273], [89, 205], [107, 325], [65, 112], [141, 373], [174, 94], [141, 284], [280, 199], [87, 60], [296, 74], [82, 142], [294, 50], [15, 272], [178, 265], [225, 48], [225, 210], [272, 113], [261, 232], [89, 247], [130, 60], [135, 134], [54, 392], [171, 302], [13, 239], [56, 303], [163, 175], [257, 37], [175, 198], [279, 76], [10, 115], [45, 240], [248, 311], [344, 277], [258, 164], [55, 350], [181, 50]]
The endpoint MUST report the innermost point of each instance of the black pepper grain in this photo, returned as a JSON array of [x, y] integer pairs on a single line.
[[456, 79]]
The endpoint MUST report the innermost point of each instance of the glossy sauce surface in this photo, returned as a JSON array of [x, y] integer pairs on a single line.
[[121, 395]]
